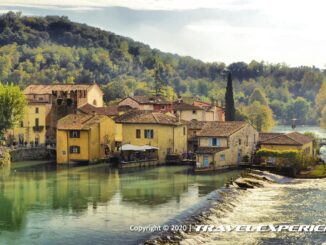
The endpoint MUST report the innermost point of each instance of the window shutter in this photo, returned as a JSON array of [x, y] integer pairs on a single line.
[[211, 141], [217, 141]]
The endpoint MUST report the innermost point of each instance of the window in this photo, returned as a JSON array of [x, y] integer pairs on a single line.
[[74, 134], [215, 142], [148, 133], [94, 102], [36, 122], [222, 157], [184, 131], [239, 141], [21, 124], [247, 140], [40, 98], [195, 133], [138, 133], [194, 112], [36, 109], [74, 149]]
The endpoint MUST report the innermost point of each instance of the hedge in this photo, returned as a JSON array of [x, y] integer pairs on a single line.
[[277, 153]]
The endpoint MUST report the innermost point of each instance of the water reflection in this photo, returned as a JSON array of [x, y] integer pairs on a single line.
[[97, 198]]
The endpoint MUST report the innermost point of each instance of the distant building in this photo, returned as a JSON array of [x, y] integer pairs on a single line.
[[200, 111], [167, 133], [225, 144], [290, 141], [84, 138], [31, 130], [147, 103], [61, 100]]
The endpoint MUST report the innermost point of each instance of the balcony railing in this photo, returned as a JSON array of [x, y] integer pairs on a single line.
[[38, 128]]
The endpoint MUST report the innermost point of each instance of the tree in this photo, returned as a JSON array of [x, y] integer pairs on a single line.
[[323, 118], [12, 104], [260, 116], [258, 95], [298, 109], [229, 100], [321, 97], [115, 90]]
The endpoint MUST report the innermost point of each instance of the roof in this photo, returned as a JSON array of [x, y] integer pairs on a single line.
[[267, 136], [196, 125], [210, 150], [79, 121], [150, 100], [108, 110], [148, 117], [181, 106], [293, 138], [47, 89], [221, 129]]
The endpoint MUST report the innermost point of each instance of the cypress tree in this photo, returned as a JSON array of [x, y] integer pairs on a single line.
[[229, 100]]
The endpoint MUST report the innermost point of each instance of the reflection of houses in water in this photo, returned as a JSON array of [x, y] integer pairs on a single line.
[[63, 189], [145, 189], [75, 189]]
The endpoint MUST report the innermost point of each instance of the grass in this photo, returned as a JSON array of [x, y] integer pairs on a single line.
[[317, 172]]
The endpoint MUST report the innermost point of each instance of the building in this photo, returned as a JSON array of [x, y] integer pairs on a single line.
[[194, 127], [213, 111], [84, 138], [110, 111], [63, 99], [31, 130], [147, 128], [289, 141], [225, 144], [199, 111], [147, 103]]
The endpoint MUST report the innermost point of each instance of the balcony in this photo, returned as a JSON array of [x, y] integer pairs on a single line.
[[38, 128]]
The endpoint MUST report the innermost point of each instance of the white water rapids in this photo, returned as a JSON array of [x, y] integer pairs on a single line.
[[288, 201]]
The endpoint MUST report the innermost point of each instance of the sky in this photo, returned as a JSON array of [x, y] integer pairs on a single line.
[[274, 31]]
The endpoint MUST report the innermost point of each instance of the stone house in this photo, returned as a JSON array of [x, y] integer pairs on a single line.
[[156, 129], [225, 144], [147, 103]]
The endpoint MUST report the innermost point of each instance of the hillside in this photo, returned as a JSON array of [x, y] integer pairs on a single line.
[[55, 50]]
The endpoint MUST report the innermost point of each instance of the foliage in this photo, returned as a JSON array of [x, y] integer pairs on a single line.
[[12, 104], [277, 153], [260, 116], [229, 100], [259, 96], [54, 50]]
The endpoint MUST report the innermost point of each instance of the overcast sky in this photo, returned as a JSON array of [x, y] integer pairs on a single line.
[[290, 31]]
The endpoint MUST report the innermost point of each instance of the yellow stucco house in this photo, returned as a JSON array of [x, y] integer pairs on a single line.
[[147, 128], [290, 141], [31, 130], [84, 138]]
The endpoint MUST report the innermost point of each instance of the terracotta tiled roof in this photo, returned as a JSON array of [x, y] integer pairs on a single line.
[[148, 117], [221, 129], [108, 110], [293, 138], [79, 121], [267, 136], [210, 150], [47, 89], [181, 106], [150, 100], [196, 125]]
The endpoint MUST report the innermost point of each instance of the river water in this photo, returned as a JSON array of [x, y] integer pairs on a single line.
[[291, 202], [42, 204]]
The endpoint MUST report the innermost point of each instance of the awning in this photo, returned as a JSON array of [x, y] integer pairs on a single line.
[[130, 147]]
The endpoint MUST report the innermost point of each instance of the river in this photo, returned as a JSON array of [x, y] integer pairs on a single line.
[[43, 204]]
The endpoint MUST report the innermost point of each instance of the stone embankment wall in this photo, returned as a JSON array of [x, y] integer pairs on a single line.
[[28, 154]]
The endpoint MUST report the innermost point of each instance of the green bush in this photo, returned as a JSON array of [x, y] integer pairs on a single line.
[[291, 154]]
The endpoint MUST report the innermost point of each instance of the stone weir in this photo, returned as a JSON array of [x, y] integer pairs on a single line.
[[30, 154], [223, 204]]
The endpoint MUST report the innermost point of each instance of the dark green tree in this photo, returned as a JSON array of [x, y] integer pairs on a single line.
[[229, 100]]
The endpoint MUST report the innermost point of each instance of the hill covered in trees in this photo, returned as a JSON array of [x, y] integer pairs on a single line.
[[55, 50]]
